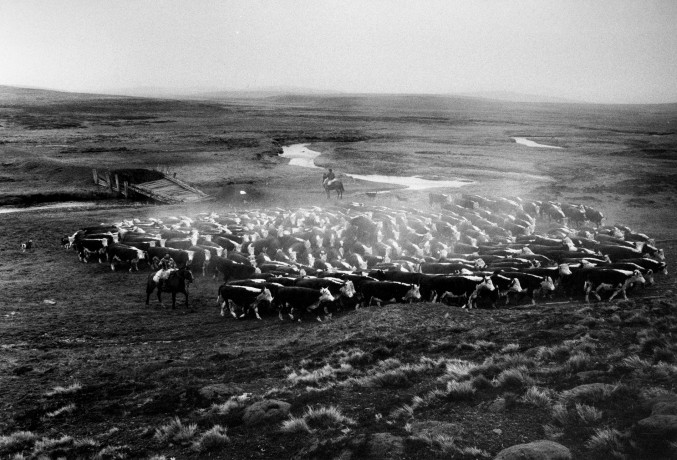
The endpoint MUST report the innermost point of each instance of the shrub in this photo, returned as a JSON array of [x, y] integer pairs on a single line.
[[213, 439], [457, 369], [578, 362], [324, 373], [233, 403]]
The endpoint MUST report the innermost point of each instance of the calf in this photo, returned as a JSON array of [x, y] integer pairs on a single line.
[[526, 284], [246, 297], [119, 253]]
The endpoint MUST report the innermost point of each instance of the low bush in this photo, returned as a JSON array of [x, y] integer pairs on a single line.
[[215, 438]]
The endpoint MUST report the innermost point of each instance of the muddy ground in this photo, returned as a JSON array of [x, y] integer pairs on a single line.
[[89, 370]]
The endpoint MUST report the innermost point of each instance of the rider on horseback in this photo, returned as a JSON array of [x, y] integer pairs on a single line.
[[167, 265], [328, 178]]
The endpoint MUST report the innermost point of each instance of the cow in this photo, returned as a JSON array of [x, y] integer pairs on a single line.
[[593, 215], [245, 297], [230, 269], [484, 288], [182, 257], [528, 285], [121, 253], [298, 300], [386, 291], [552, 211], [342, 290], [610, 279], [649, 264], [451, 287], [88, 248]]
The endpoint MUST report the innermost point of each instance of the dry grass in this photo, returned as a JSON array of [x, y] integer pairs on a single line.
[[17, 441], [295, 425], [606, 442], [233, 403], [62, 410], [460, 391], [514, 379], [588, 414], [70, 389], [215, 438], [326, 417], [176, 431], [325, 373], [511, 348], [538, 397]]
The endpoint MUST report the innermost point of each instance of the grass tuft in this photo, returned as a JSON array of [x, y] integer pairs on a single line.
[[176, 431], [537, 397], [62, 410], [326, 417], [561, 415], [606, 442], [460, 391], [70, 389], [588, 414], [510, 348], [214, 438], [514, 378], [295, 425]]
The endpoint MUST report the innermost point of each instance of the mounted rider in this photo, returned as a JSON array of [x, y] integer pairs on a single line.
[[167, 266], [328, 178]]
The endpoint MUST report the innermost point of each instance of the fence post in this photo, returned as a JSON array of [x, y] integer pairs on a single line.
[[117, 184], [126, 192], [109, 181], [96, 176]]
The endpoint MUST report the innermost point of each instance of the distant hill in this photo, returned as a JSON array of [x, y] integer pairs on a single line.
[[509, 96]]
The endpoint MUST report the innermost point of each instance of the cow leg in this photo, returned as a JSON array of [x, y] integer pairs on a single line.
[[223, 306], [256, 311], [231, 307], [620, 288]]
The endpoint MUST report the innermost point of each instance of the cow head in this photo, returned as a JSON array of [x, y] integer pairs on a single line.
[[348, 289], [325, 295], [547, 284], [637, 278], [414, 293], [564, 269], [515, 286], [265, 296]]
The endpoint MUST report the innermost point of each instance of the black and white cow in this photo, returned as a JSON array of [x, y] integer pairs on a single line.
[[294, 300], [246, 298], [386, 291], [120, 253]]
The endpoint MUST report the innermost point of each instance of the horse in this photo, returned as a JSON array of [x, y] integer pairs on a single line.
[[177, 281], [334, 185]]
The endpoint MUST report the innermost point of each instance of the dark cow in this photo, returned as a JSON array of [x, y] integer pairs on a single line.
[[229, 269], [201, 258], [121, 253], [650, 264], [177, 281], [342, 290], [451, 287], [386, 291], [245, 297], [593, 215], [576, 215], [552, 211], [295, 300]]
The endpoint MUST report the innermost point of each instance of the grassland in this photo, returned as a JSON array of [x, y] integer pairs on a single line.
[[96, 373]]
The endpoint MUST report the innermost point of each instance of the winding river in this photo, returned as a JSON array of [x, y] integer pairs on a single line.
[[300, 155]]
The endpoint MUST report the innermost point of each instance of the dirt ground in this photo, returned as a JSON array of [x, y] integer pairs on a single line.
[[89, 371]]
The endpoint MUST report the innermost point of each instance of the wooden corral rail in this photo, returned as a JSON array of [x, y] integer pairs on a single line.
[[169, 190]]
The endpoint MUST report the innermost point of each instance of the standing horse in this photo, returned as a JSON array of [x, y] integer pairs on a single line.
[[177, 282], [334, 185]]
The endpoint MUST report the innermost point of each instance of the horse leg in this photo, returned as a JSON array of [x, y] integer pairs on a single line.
[[149, 290]]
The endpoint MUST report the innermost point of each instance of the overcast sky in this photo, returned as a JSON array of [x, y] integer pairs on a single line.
[[589, 50]]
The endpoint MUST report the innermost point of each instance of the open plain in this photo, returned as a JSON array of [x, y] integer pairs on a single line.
[[88, 370]]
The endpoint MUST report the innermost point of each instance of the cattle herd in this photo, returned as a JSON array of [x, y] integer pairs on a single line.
[[470, 251]]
